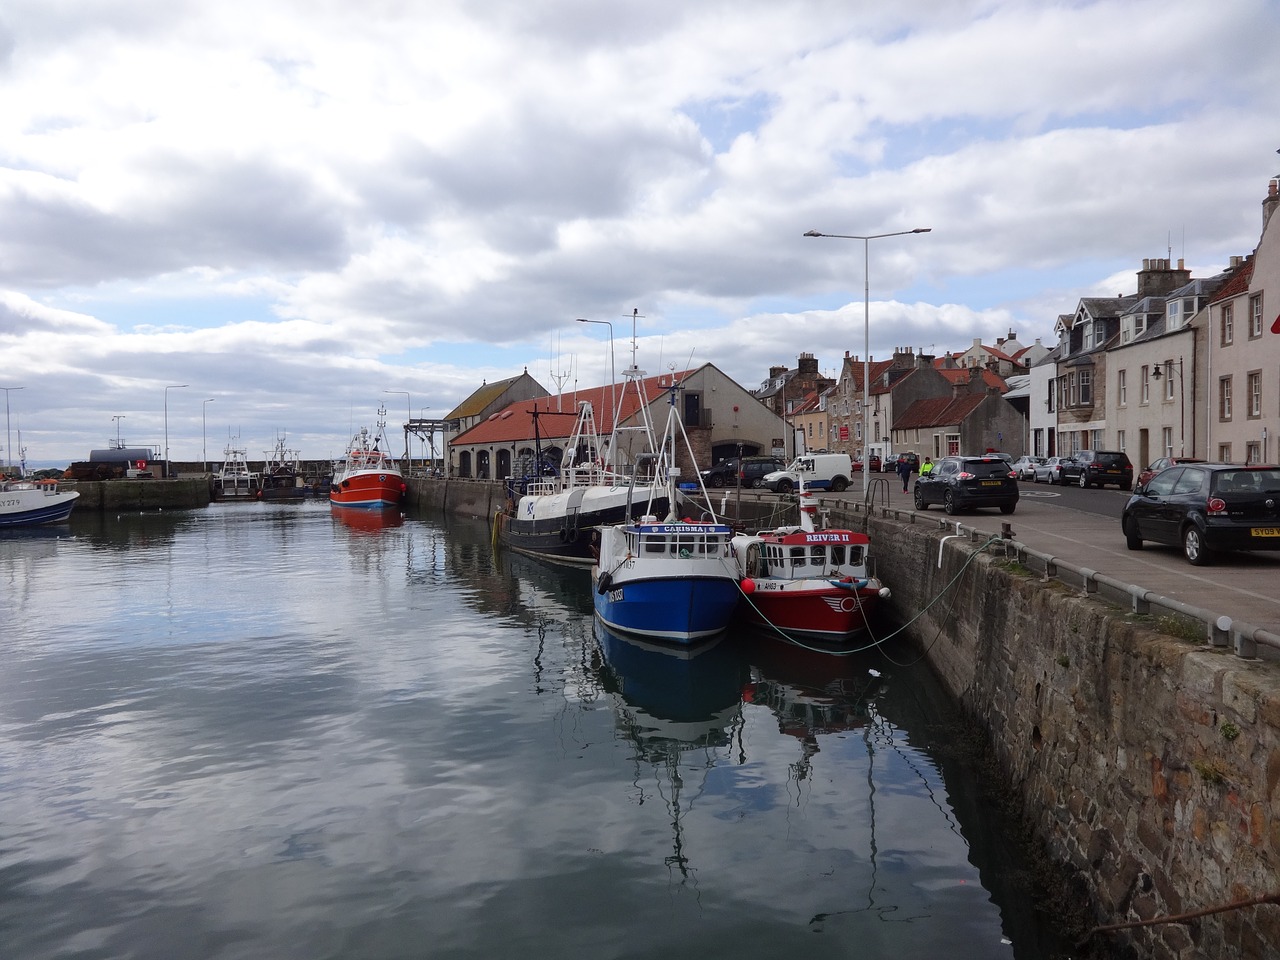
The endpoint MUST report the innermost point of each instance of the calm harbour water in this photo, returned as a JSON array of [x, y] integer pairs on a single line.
[[266, 731]]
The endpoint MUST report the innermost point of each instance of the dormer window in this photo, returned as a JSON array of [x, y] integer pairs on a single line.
[[1087, 343]]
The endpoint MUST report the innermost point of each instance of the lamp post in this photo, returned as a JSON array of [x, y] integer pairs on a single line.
[[119, 443], [866, 331], [172, 386], [8, 437], [204, 450], [428, 441], [613, 386], [409, 401], [1182, 416]]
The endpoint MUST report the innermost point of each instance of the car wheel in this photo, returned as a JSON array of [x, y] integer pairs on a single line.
[[1052, 481], [784, 486], [1008, 508], [1131, 538], [949, 503], [919, 498], [715, 480], [1084, 481], [1193, 548], [757, 483], [839, 485]]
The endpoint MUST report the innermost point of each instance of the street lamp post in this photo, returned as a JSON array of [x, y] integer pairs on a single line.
[[613, 386], [866, 332], [409, 401], [1168, 365], [172, 386], [8, 437], [204, 450]]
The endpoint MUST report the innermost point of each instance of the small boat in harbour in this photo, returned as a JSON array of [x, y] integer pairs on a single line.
[[234, 480], [673, 580], [807, 582], [31, 503], [281, 478], [366, 476]]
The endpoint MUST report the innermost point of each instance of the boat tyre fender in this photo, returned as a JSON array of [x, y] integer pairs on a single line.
[[605, 582], [564, 534]]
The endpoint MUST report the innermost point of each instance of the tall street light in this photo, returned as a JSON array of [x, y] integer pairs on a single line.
[[866, 334], [8, 440], [1169, 368], [172, 386], [613, 387], [204, 450], [409, 401]]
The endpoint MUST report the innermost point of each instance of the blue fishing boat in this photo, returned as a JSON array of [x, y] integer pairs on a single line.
[[673, 579], [30, 503]]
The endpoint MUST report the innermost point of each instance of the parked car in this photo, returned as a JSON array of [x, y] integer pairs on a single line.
[[1025, 467], [875, 463], [749, 471], [1205, 508], [1096, 468], [911, 458], [1163, 464], [962, 483], [1051, 470]]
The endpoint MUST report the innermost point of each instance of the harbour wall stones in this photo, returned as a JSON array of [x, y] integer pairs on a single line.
[[108, 495]]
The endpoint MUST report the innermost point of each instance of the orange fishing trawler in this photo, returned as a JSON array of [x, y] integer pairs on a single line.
[[366, 476]]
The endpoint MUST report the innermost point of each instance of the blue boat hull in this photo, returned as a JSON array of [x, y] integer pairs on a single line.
[[677, 609], [53, 513]]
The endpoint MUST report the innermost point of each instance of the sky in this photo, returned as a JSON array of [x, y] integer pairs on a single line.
[[237, 221]]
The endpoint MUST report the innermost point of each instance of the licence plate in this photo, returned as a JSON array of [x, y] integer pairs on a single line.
[[992, 483], [1266, 531], [1113, 471]]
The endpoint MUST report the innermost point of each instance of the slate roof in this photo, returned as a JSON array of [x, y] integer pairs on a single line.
[[481, 398], [515, 422]]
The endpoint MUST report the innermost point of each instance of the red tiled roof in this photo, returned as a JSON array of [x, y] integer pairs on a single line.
[[1238, 284], [957, 375], [938, 411], [515, 422]]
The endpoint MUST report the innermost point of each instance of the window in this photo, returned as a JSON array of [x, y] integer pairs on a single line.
[[1173, 314], [1166, 441], [1227, 324], [1071, 389], [1168, 380], [1253, 452], [1224, 453], [952, 441], [1255, 316], [1095, 439], [1122, 388], [1120, 440], [1052, 392], [1088, 337], [1144, 390], [1224, 398], [1086, 386], [1255, 394]]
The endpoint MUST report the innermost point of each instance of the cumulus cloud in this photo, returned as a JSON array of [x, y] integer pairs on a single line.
[[302, 205]]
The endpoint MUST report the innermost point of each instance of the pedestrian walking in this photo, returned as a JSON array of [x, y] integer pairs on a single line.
[[926, 468], [904, 471]]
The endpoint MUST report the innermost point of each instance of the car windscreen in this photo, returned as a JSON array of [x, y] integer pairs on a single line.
[[1256, 482], [986, 468]]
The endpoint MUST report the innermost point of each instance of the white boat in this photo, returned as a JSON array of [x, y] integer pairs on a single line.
[[30, 503], [234, 480], [366, 476], [674, 579], [556, 517]]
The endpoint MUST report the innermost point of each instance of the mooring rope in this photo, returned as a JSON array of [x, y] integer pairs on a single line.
[[1272, 898]]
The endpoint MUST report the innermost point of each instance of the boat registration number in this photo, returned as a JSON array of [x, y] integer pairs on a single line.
[[991, 483], [1266, 531], [615, 596]]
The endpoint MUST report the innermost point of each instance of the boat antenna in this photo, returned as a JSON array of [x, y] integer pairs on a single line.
[[635, 315]]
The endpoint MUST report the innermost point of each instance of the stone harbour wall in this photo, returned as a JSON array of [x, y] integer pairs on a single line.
[[1147, 763]]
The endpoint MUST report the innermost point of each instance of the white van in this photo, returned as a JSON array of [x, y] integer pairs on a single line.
[[821, 471]]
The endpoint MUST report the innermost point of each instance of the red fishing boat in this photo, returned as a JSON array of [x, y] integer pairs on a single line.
[[366, 476], [806, 582]]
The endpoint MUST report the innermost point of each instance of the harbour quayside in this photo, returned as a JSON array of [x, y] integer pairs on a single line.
[[806, 582], [31, 503], [556, 517], [366, 476], [673, 580]]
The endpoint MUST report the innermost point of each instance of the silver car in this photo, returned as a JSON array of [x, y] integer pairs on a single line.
[[1025, 467], [1051, 470]]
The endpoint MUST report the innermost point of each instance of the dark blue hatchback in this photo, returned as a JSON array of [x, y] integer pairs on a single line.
[[962, 483]]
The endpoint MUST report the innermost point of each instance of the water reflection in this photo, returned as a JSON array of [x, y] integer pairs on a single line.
[[367, 519]]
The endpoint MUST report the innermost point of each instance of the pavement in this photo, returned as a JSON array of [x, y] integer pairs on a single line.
[[1082, 528]]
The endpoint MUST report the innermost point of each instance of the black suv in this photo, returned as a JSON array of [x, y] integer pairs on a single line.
[[1096, 468], [961, 483], [750, 471], [1206, 507]]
